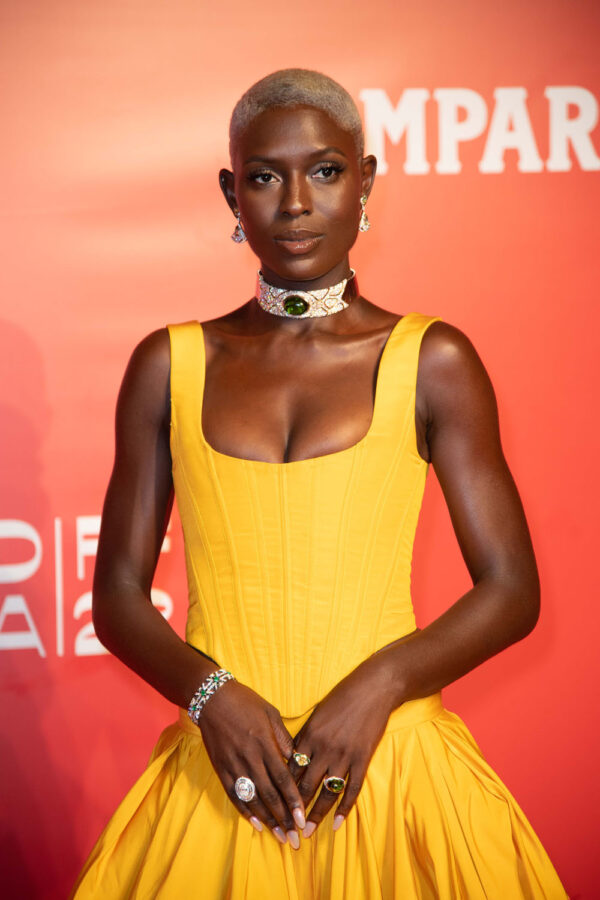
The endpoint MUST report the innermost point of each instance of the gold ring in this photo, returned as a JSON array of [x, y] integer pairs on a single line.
[[335, 784], [301, 759]]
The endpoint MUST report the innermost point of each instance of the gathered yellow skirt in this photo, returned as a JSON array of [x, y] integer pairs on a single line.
[[432, 821]]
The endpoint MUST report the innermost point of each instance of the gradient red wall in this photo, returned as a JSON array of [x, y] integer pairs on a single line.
[[114, 128]]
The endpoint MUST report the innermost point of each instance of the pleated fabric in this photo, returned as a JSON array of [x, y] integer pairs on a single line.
[[296, 573], [432, 822]]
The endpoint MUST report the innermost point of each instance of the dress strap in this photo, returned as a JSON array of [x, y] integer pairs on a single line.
[[187, 371], [397, 377]]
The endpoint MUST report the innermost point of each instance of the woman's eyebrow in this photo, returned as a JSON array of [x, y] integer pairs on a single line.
[[326, 150], [321, 151]]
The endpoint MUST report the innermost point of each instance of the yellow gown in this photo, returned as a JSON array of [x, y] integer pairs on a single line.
[[297, 572]]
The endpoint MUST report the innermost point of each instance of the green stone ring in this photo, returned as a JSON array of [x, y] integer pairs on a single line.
[[334, 784], [301, 759]]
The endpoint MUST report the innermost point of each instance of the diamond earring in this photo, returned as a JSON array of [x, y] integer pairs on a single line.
[[364, 223], [238, 233]]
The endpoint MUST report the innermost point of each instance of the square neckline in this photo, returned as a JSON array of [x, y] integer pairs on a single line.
[[379, 378]]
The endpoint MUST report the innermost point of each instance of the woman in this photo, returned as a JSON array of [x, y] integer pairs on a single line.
[[315, 758]]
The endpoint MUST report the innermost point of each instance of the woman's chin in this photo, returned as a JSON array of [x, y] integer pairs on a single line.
[[303, 268]]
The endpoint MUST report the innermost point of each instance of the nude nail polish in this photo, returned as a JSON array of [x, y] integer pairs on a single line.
[[279, 834], [299, 818], [337, 821], [293, 839], [310, 827], [256, 823]]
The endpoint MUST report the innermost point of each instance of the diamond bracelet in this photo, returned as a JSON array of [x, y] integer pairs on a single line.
[[208, 687]]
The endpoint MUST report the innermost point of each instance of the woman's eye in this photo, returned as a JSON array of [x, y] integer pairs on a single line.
[[328, 171], [261, 177]]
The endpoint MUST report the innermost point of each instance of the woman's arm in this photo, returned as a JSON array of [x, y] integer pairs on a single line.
[[243, 734], [458, 426], [135, 515], [458, 408]]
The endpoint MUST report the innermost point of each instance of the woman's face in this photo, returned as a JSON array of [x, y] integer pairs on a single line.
[[297, 183]]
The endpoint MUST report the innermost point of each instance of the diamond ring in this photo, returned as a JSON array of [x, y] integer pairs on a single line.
[[245, 789]]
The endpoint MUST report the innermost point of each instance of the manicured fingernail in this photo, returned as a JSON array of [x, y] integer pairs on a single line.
[[293, 839], [255, 822], [337, 821], [299, 817], [278, 832], [310, 827]]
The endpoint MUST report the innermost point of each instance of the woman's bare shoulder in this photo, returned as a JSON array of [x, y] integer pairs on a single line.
[[452, 380], [153, 349], [447, 353], [145, 387], [152, 354]]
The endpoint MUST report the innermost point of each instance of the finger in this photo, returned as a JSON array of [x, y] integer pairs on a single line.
[[268, 791], [311, 777], [326, 799], [287, 787], [250, 810], [282, 736], [356, 777]]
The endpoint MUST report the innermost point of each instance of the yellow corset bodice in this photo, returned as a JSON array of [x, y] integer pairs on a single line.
[[298, 571]]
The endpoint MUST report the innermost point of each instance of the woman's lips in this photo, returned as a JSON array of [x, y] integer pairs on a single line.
[[298, 242]]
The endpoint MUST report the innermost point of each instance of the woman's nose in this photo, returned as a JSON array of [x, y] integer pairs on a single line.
[[296, 198]]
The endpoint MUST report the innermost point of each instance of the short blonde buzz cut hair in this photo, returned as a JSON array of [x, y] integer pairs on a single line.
[[297, 87]]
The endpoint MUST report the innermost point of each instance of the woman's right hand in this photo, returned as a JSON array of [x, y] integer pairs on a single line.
[[244, 735]]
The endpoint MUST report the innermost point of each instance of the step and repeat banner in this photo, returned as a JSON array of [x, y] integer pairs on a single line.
[[484, 119]]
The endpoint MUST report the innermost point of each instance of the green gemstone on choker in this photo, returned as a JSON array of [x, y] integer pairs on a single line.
[[295, 306], [302, 304]]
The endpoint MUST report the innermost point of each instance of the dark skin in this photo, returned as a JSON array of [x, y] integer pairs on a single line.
[[295, 169]]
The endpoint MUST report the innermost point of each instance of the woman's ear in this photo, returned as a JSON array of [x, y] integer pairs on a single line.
[[226, 183], [368, 167]]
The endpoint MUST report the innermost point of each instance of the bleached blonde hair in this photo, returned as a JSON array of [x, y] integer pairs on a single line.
[[297, 87]]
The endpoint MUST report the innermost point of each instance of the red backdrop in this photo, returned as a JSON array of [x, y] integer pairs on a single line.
[[115, 119]]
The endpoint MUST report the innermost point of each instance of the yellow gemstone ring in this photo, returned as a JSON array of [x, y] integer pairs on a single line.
[[301, 759]]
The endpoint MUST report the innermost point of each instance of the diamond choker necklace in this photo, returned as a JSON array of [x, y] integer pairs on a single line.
[[305, 304]]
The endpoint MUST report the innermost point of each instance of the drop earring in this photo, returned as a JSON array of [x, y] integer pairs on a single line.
[[364, 223], [238, 233]]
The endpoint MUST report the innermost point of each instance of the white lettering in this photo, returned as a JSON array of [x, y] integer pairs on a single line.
[[87, 530], [408, 117], [11, 573], [59, 593], [452, 130], [16, 605], [510, 128], [463, 115], [575, 131]]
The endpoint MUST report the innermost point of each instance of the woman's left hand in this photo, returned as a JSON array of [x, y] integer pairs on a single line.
[[340, 738]]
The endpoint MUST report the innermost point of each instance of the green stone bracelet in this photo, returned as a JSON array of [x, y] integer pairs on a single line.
[[208, 687]]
